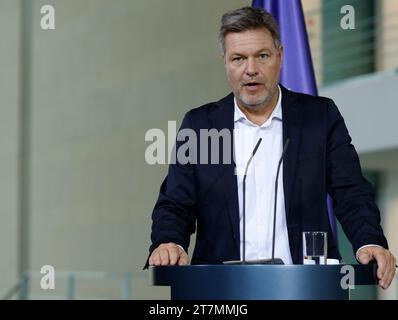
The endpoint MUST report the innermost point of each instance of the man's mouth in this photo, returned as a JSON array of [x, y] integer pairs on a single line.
[[252, 86]]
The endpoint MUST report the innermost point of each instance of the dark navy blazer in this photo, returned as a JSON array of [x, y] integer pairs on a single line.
[[320, 159]]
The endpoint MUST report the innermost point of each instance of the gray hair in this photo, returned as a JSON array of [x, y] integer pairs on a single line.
[[248, 18]]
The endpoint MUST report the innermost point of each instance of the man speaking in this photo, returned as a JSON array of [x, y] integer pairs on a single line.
[[319, 160]]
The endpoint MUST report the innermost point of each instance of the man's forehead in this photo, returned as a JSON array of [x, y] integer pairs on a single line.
[[249, 40]]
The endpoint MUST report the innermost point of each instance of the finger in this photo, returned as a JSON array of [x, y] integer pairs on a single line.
[[164, 257], [154, 259], [387, 279], [184, 260], [390, 272], [382, 263], [173, 255], [364, 256], [384, 280]]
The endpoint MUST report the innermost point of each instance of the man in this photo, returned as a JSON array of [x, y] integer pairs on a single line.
[[319, 160]]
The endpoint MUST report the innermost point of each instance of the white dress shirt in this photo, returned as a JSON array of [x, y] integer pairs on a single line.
[[260, 185]]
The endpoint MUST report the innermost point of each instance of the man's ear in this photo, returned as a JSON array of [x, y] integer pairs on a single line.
[[280, 53]]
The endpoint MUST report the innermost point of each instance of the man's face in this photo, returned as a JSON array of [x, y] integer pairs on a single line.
[[253, 67]]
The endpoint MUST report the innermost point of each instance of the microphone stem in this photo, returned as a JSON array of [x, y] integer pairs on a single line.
[[274, 223], [244, 220], [276, 198], [244, 200]]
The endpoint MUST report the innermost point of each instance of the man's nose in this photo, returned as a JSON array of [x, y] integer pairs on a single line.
[[251, 67]]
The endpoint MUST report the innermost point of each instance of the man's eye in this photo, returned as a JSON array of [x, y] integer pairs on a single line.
[[264, 56], [237, 59]]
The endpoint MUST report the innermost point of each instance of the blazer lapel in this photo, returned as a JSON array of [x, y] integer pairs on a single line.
[[223, 118], [292, 125]]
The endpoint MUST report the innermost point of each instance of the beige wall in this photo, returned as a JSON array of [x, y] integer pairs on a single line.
[[110, 71], [9, 35]]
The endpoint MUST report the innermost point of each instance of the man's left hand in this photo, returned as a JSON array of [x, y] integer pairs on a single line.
[[385, 263]]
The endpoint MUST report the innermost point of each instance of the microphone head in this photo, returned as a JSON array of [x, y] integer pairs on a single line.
[[256, 147], [286, 144]]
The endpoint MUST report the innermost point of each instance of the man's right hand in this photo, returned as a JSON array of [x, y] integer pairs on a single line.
[[168, 254]]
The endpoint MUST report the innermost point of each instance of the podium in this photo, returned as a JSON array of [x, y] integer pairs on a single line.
[[262, 282]]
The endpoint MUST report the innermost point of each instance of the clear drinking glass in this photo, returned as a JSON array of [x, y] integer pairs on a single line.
[[315, 247]]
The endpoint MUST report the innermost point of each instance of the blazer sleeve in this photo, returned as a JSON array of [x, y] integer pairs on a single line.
[[174, 218], [353, 195]]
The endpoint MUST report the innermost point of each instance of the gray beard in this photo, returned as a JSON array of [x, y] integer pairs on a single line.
[[266, 101]]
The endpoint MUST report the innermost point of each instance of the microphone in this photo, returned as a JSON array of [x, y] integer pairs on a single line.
[[277, 260], [273, 260], [244, 198], [244, 208]]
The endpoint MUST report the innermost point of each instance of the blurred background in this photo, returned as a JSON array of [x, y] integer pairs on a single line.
[[75, 190]]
